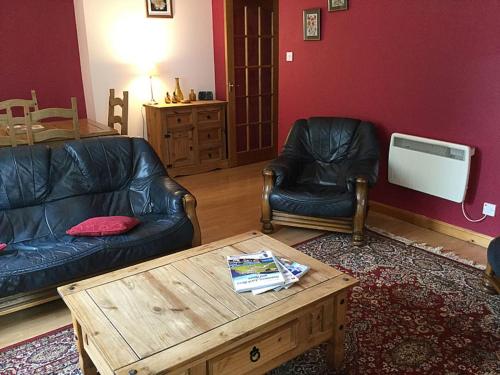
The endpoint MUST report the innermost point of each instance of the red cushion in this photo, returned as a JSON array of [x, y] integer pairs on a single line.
[[103, 226], [2, 246]]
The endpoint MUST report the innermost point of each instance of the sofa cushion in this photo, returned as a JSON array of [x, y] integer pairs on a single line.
[[105, 163], [313, 200], [23, 176], [51, 260], [104, 226]]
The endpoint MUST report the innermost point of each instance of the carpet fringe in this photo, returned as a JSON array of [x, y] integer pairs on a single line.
[[439, 250]]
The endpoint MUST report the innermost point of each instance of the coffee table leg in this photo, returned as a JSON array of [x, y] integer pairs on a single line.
[[336, 351], [85, 362]]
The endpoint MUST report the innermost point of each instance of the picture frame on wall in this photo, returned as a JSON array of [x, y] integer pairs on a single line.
[[312, 24], [336, 5], [159, 8]]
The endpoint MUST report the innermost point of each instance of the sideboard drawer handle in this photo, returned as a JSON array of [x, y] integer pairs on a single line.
[[254, 354], [210, 155], [208, 135], [178, 119], [208, 117]]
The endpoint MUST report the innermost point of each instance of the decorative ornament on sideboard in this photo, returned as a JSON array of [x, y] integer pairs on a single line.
[[192, 95], [168, 100], [178, 92]]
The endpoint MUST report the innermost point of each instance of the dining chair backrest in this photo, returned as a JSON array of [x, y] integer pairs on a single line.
[[13, 103], [10, 138], [52, 130], [13, 126], [115, 119]]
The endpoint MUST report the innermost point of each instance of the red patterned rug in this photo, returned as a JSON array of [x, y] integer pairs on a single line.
[[414, 312]]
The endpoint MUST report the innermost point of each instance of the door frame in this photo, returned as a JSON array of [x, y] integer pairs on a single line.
[[230, 92]]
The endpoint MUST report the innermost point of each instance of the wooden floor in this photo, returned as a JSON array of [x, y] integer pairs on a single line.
[[228, 204]]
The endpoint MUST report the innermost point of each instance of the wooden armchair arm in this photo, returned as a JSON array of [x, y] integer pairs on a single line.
[[360, 214], [266, 217]]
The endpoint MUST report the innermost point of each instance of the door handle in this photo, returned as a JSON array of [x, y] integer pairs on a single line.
[[231, 86]]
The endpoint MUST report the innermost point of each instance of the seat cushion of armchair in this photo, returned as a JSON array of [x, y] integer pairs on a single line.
[[50, 260], [325, 201]]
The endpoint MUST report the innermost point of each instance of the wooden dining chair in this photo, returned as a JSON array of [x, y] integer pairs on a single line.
[[13, 128], [113, 119], [8, 133], [53, 130], [17, 121]]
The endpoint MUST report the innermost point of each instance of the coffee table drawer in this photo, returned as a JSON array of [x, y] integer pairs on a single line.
[[256, 353]]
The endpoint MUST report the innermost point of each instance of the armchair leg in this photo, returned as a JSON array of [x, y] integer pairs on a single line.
[[267, 226], [189, 203], [358, 236]]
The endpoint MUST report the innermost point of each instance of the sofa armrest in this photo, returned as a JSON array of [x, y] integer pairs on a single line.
[[167, 196], [283, 169]]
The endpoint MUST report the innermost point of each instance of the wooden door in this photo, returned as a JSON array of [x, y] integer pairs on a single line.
[[252, 76]]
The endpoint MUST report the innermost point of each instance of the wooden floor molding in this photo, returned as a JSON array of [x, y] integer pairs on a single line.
[[432, 224]]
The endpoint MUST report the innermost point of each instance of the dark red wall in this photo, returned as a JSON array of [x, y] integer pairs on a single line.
[[39, 50], [428, 68]]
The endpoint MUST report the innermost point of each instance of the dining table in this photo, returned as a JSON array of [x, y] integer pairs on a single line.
[[88, 129]]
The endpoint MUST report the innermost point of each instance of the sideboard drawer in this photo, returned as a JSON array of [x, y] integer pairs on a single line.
[[209, 154], [254, 354], [180, 118], [209, 135], [209, 114]]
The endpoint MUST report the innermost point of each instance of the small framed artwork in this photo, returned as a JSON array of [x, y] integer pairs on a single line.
[[335, 5], [159, 8], [312, 24]]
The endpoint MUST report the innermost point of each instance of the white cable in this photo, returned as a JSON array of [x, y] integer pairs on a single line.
[[467, 216]]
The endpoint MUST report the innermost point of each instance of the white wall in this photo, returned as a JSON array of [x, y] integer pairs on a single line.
[[119, 46]]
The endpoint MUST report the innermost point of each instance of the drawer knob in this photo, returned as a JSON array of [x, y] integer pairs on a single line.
[[209, 155], [208, 135], [208, 117], [178, 119], [254, 354]]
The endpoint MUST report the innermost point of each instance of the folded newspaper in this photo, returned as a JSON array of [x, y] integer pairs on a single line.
[[262, 271]]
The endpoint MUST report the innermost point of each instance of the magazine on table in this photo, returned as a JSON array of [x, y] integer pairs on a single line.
[[292, 271], [254, 271]]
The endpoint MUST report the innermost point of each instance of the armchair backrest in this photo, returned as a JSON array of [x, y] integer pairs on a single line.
[[327, 147]]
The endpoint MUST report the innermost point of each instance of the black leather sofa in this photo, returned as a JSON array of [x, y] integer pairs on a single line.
[[45, 191]]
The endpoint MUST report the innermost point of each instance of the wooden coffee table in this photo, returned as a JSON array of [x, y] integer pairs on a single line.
[[179, 314]]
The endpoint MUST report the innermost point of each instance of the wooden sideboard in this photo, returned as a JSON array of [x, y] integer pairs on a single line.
[[189, 138]]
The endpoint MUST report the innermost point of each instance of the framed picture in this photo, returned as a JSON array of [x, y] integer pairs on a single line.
[[159, 8], [312, 24], [335, 5]]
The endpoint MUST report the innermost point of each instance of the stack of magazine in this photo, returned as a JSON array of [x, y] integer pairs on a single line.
[[262, 271]]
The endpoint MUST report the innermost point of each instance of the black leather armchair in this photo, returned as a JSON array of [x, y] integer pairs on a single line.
[[321, 178]]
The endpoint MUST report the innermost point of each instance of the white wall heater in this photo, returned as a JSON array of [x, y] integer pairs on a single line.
[[430, 166]]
